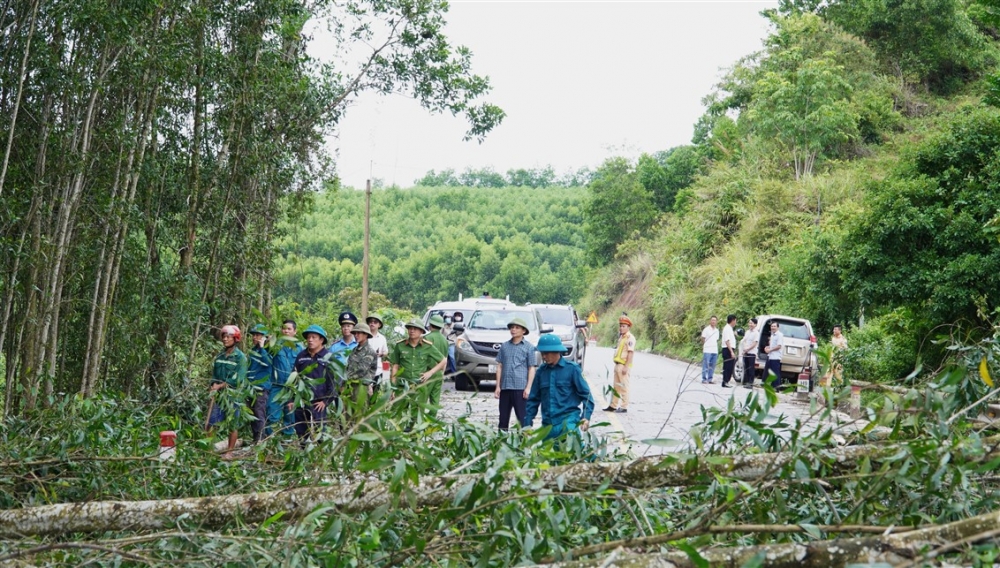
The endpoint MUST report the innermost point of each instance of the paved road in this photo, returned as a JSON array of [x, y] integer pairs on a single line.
[[666, 400]]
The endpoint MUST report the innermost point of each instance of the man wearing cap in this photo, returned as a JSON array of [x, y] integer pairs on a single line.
[[378, 342], [414, 361], [515, 372], [559, 391], [341, 348], [623, 365], [315, 362], [362, 368], [436, 324], [259, 375], [283, 364]]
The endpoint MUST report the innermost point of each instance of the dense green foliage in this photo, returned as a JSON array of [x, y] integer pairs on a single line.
[[431, 244], [153, 147], [840, 186], [931, 469]]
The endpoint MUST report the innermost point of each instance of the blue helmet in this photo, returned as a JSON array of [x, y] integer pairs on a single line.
[[550, 343], [318, 330]]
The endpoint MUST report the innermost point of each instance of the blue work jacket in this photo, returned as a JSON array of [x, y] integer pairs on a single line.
[[562, 395]]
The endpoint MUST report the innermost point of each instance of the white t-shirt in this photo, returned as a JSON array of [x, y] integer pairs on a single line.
[[729, 335], [381, 347], [711, 336], [776, 344], [749, 338]]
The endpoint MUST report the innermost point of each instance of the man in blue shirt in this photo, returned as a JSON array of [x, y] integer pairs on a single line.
[[342, 347], [259, 375], [283, 364], [515, 372], [559, 391]]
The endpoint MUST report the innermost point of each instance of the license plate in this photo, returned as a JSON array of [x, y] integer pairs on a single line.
[[793, 350], [493, 368]]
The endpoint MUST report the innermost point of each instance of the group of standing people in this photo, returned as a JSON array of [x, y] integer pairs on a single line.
[[556, 388], [338, 377], [748, 348]]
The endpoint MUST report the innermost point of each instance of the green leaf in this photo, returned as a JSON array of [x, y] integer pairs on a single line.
[[366, 437]]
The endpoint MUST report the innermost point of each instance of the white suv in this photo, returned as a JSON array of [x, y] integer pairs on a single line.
[[799, 353], [565, 323]]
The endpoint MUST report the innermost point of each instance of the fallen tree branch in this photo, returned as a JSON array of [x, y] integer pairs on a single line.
[[653, 540], [894, 549], [430, 491]]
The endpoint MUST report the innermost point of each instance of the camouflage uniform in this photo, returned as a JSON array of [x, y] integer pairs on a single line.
[[362, 373]]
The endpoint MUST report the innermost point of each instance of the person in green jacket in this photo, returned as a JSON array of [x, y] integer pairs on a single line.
[[229, 370], [436, 382], [414, 361]]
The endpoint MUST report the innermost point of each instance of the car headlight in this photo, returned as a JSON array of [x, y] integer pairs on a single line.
[[567, 337], [464, 344]]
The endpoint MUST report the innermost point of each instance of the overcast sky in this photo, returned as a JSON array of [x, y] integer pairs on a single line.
[[580, 81]]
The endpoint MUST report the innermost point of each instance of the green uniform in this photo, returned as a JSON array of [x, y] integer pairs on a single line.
[[229, 368], [437, 380], [413, 362]]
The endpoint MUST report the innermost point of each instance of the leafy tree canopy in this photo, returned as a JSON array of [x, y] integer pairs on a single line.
[[618, 207], [928, 238]]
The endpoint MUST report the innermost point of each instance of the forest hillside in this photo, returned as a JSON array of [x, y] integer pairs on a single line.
[[431, 244], [849, 176]]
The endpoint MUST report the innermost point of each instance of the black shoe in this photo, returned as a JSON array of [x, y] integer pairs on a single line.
[[621, 410], [726, 385], [610, 409]]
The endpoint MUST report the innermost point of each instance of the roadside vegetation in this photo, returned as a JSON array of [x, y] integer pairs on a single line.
[[847, 177], [848, 170]]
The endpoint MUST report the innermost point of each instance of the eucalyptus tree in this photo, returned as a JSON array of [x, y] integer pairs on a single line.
[[152, 149]]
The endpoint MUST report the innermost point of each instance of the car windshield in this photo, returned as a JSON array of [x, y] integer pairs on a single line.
[[498, 319], [556, 316], [795, 330]]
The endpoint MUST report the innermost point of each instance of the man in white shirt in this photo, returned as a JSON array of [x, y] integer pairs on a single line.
[[774, 347], [728, 351], [379, 343], [748, 347], [709, 350]]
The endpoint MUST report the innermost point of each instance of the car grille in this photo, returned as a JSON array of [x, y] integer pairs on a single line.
[[487, 349]]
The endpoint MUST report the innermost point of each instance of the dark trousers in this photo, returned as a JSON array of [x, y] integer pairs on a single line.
[[309, 418], [728, 365], [259, 406], [511, 398], [749, 369], [773, 366]]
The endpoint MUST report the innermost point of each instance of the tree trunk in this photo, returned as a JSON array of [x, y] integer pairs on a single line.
[[17, 100], [431, 491]]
